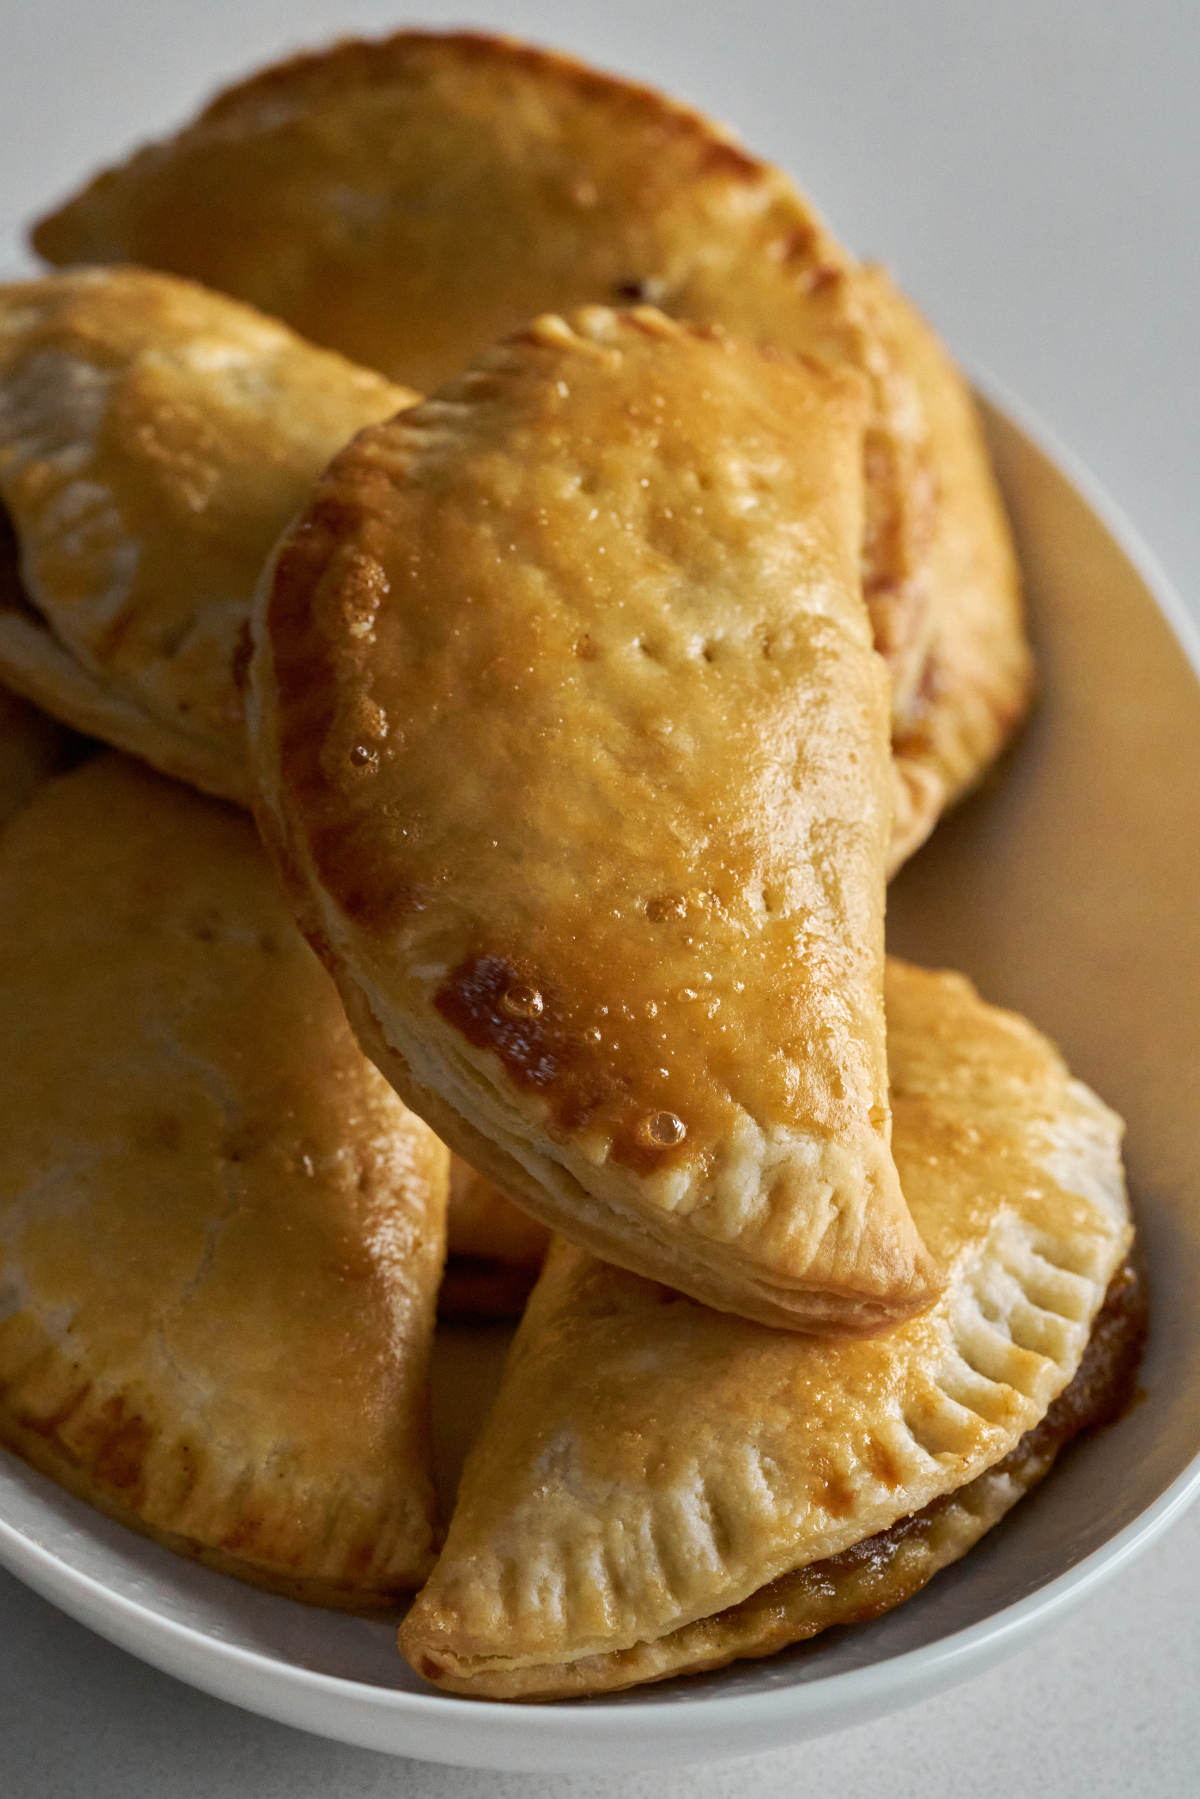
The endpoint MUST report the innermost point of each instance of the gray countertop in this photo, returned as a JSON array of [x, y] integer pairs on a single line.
[[1032, 172]]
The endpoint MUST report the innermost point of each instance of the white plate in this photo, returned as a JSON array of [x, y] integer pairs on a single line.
[[1068, 889]]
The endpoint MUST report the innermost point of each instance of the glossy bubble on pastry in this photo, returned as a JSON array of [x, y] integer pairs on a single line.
[[411, 200], [661, 1488], [574, 749], [220, 1231], [155, 439]]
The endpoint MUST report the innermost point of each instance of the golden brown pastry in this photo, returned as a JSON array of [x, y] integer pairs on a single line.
[[412, 200], [220, 1232], [154, 441], [976, 681], [495, 1249], [574, 748], [662, 1488]]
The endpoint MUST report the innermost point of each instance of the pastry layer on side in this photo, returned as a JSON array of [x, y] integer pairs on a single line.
[[155, 439], [221, 1234], [977, 677], [574, 747], [650, 1464]]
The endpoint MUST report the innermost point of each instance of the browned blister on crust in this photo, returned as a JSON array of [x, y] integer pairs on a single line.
[[221, 1233], [412, 200], [155, 439], [661, 1487], [574, 748]]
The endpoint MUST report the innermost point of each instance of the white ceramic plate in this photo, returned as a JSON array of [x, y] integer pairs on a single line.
[[1068, 889]]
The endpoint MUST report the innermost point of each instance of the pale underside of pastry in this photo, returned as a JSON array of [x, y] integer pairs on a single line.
[[32, 747], [410, 201], [651, 1468], [220, 1231], [155, 439], [573, 746], [976, 682]]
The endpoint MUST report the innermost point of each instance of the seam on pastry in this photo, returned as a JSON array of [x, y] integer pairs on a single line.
[[952, 1416], [582, 1203], [38, 666]]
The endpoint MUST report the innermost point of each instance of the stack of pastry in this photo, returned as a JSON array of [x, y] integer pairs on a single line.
[[585, 707]]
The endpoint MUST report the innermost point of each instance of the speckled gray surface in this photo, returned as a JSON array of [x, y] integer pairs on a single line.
[[1030, 170]]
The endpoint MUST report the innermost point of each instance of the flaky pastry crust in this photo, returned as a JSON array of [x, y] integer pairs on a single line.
[[574, 748], [411, 200], [220, 1232], [155, 439], [650, 1464], [977, 679]]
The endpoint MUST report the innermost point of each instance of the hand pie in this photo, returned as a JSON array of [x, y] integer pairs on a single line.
[[220, 1232], [574, 748], [32, 747], [661, 1488], [976, 680], [154, 441], [495, 1249], [410, 201]]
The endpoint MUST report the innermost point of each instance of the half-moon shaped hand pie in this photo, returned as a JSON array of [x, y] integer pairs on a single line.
[[220, 1232], [410, 201], [155, 439], [573, 745], [661, 1487]]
